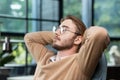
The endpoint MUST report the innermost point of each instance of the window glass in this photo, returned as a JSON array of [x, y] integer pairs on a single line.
[[50, 9], [72, 7], [47, 26], [13, 14], [18, 17], [113, 53], [107, 14], [12, 25], [14, 8], [18, 52], [41, 26]]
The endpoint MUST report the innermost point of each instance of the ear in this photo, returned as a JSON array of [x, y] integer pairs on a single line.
[[78, 40]]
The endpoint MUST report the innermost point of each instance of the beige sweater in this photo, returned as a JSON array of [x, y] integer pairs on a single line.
[[79, 66]]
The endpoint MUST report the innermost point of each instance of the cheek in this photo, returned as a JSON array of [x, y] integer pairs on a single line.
[[67, 40]]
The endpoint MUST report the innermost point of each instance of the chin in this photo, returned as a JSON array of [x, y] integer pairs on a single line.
[[56, 46]]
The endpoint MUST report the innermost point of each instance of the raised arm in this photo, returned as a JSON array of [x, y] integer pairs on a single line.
[[36, 42], [95, 40]]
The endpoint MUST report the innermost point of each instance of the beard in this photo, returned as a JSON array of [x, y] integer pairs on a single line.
[[65, 46]]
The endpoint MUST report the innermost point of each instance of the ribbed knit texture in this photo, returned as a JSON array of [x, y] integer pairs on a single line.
[[79, 66]]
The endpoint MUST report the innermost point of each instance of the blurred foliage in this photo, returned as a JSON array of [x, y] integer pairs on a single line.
[[17, 56], [107, 14], [5, 58], [20, 54], [117, 43], [72, 7], [15, 8]]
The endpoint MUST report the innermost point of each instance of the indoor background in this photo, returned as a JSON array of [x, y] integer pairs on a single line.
[[18, 17]]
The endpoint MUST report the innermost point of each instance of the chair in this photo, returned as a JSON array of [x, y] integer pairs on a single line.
[[101, 69]]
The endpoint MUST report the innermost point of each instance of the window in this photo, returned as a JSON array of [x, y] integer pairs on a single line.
[[18, 17], [72, 7], [106, 14]]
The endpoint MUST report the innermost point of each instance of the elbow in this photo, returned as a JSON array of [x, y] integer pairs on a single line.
[[26, 38]]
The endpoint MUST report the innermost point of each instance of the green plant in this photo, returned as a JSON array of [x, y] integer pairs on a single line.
[[5, 58], [17, 55]]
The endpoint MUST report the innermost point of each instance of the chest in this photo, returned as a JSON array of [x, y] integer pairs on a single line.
[[58, 69]]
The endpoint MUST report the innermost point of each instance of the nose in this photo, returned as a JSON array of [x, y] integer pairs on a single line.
[[57, 32]]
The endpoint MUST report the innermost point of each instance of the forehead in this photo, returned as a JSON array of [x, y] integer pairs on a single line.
[[69, 23]]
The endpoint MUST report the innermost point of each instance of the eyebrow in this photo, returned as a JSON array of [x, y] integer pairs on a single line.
[[65, 26]]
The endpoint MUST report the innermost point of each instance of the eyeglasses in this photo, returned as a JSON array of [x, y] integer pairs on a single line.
[[63, 29]]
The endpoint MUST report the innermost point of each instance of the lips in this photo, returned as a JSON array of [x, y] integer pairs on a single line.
[[56, 38]]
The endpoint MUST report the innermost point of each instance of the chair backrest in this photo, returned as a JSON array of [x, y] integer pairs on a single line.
[[101, 69]]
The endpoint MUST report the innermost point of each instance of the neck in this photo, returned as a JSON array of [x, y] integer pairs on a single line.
[[64, 53]]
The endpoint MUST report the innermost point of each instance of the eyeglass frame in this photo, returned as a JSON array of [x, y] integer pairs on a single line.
[[63, 29]]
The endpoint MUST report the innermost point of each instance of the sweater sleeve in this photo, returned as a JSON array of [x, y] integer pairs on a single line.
[[36, 41], [95, 40]]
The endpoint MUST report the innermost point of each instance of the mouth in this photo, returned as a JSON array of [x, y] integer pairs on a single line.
[[56, 38]]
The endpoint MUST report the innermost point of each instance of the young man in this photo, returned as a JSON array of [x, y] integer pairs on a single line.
[[79, 50]]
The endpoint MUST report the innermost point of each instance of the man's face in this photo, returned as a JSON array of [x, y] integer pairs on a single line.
[[65, 40]]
